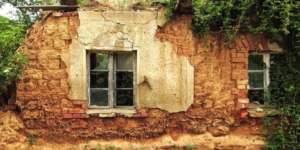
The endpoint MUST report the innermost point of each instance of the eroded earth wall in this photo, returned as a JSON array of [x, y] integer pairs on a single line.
[[52, 93]]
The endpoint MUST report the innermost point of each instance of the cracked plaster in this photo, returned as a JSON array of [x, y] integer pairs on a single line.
[[170, 76]]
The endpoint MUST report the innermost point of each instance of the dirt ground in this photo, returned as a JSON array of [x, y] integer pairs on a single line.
[[13, 136]]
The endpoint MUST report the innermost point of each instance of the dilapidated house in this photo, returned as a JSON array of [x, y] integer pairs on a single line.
[[103, 72]]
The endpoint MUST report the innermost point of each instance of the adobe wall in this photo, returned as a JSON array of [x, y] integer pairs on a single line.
[[220, 80]]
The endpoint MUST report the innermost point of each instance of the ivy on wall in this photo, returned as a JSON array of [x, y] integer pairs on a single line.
[[274, 18]]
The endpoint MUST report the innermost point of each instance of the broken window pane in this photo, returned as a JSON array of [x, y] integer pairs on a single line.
[[255, 62], [99, 79], [124, 61], [99, 97], [256, 95], [124, 79], [99, 61], [256, 79], [124, 97]]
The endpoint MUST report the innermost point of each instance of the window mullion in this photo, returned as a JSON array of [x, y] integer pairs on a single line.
[[115, 83], [88, 77], [111, 79], [134, 78], [267, 62]]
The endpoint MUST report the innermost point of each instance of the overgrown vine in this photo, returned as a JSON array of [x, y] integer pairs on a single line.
[[273, 18]]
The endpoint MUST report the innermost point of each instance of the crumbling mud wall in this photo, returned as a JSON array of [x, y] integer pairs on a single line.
[[219, 103]]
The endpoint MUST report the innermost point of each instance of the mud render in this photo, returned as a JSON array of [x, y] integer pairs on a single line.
[[198, 87]]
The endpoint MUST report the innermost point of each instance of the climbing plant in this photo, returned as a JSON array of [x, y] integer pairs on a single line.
[[273, 18]]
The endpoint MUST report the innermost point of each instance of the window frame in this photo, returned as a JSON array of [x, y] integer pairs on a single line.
[[112, 87], [265, 71]]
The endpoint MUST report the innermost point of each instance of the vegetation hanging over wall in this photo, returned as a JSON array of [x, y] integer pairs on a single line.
[[11, 63], [274, 18]]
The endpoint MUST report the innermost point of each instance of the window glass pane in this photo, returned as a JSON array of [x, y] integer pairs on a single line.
[[124, 61], [255, 62], [124, 97], [99, 61], [99, 97], [99, 79], [124, 79], [256, 95], [256, 80]]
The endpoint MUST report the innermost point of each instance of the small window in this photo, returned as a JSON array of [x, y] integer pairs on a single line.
[[258, 73], [111, 79]]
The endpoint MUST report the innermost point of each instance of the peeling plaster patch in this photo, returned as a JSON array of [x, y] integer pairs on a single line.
[[123, 17], [144, 17], [170, 75]]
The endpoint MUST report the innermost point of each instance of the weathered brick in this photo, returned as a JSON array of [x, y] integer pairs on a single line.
[[76, 110], [238, 42], [142, 110], [243, 113], [251, 42], [242, 93], [241, 81], [31, 56], [246, 44], [242, 55], [240, 106], [54, 63], [241, 86], [233, 53], [76, 115], [84, 116], [234, 91], [64, 84], [240, 74], [65, 110], [237, 60], [56, 14], [243, 100]]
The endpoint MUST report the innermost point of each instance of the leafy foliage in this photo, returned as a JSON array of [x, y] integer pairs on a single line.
[[274, 18], [12, 62], [24, 16]]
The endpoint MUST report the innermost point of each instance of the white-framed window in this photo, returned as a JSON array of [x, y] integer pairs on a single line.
[[258, 73], [111, 79]]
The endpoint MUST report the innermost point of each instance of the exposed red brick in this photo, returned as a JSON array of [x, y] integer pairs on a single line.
[[251, 41], [67, 115], [69, 14], [64, 14], [76, 110], [239, 43], [76, 115], [65, 110], [79, 104], [84, 116], [246, 44], [242, 93], [243, 113], [75, 13]]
